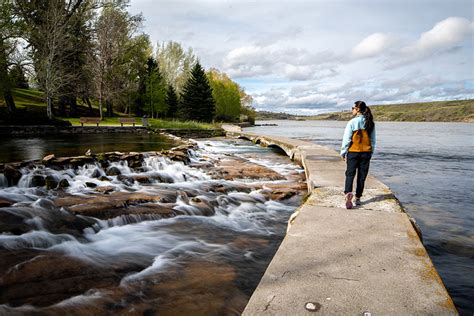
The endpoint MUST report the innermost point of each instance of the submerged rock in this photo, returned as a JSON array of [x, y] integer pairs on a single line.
[[113, 171], [12, 174], [51, 182], [37, 181], [63, 183]]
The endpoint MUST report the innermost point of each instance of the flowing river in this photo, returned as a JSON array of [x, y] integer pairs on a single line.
[[161, 236], [429, 167]]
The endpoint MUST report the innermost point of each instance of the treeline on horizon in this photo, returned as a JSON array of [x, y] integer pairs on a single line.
[[93, 51]]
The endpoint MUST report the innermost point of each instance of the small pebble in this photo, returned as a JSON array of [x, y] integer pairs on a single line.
[[312, 307]]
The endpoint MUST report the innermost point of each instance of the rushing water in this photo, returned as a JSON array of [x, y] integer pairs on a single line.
[[429, 166], [31, 148], [172, 241]]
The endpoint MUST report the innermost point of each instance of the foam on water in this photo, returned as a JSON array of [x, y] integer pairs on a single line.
[[202, 224]]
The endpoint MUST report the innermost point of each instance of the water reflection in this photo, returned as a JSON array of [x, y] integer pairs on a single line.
[[30, 148]]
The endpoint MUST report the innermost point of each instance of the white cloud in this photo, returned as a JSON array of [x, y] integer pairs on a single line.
[[445, 34], [444, 37], [372, 45]]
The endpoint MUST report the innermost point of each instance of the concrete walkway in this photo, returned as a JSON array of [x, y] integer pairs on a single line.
[[345, 262]]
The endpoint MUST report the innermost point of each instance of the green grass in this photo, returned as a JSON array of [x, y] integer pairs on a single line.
[[31, 103], [174, 124]]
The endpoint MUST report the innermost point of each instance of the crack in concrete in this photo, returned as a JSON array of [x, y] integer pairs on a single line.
[[268, 304]]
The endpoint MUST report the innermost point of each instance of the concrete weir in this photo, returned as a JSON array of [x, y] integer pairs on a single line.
[[364, 261]]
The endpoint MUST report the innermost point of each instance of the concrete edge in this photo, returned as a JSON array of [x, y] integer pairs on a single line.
[[297, 151]]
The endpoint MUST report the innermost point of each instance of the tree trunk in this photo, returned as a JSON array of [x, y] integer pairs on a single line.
[[110, 111], [5, 88], [49, 108], [72, 106], [7, 95], [100, 107], [89, 104], [62, 106]]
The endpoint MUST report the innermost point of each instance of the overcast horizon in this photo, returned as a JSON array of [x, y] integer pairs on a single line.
[[310, 57]]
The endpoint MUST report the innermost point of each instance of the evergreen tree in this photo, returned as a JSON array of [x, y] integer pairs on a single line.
[[17, 77], [155, 91], [197, 102], [171, 102]]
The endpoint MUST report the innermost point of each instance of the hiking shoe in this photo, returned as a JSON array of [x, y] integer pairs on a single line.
[[357, 201], [349, 200]]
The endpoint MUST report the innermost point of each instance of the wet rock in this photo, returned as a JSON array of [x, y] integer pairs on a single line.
[[105, 189], [63, 183], [232, 168], [97, 173], [91, 185], [12, 174], [204, 207], [37, 181], [51, 182], [81, 160], [48, 158], [142, 179], [177, 154], [105, 178], [134, 160], [4, 202], [11, 223], [111, 205], [126, 180], [113, 171], [50, 278]]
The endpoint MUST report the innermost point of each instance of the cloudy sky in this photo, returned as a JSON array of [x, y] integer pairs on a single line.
[[314, 56]]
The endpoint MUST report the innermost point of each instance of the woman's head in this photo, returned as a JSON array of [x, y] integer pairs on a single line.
[[362, 108]]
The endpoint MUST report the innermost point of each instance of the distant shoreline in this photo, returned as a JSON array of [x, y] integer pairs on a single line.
[[439, 111]]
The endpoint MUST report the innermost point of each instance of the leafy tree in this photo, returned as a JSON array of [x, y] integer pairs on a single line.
[[197, 102], [115, 30], [227, 96], [175, 64], [247, 110], [171, 101]]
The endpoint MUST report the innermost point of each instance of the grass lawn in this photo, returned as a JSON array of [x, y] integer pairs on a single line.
[[31, 103]]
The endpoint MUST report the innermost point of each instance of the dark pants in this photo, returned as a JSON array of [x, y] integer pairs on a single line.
[[357, 162]]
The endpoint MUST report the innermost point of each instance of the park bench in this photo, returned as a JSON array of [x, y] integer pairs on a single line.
[[95, 120], [127, 120]]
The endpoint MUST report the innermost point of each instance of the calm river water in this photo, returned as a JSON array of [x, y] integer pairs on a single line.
[[429, 166], [32, 148]]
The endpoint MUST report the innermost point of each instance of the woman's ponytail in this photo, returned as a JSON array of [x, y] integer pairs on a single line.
[[369, 119]]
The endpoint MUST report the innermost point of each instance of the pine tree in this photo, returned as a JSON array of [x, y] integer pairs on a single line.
[[197, 102], [171, 102]]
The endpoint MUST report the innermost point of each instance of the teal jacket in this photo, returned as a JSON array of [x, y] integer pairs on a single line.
[[354, 125]]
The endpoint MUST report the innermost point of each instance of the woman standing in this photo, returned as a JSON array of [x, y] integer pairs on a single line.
[[358, 144]]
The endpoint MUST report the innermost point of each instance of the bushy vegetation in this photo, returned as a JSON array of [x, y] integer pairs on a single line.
[[93, 53]]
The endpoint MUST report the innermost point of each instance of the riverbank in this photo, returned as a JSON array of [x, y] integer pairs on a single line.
[[346, 261]]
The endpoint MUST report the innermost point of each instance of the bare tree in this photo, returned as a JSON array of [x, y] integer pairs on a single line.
[[115, 29], [175, 64], [50, 43]]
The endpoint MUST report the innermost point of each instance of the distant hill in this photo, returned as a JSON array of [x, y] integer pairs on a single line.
[[440, 111], [266, 115]]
